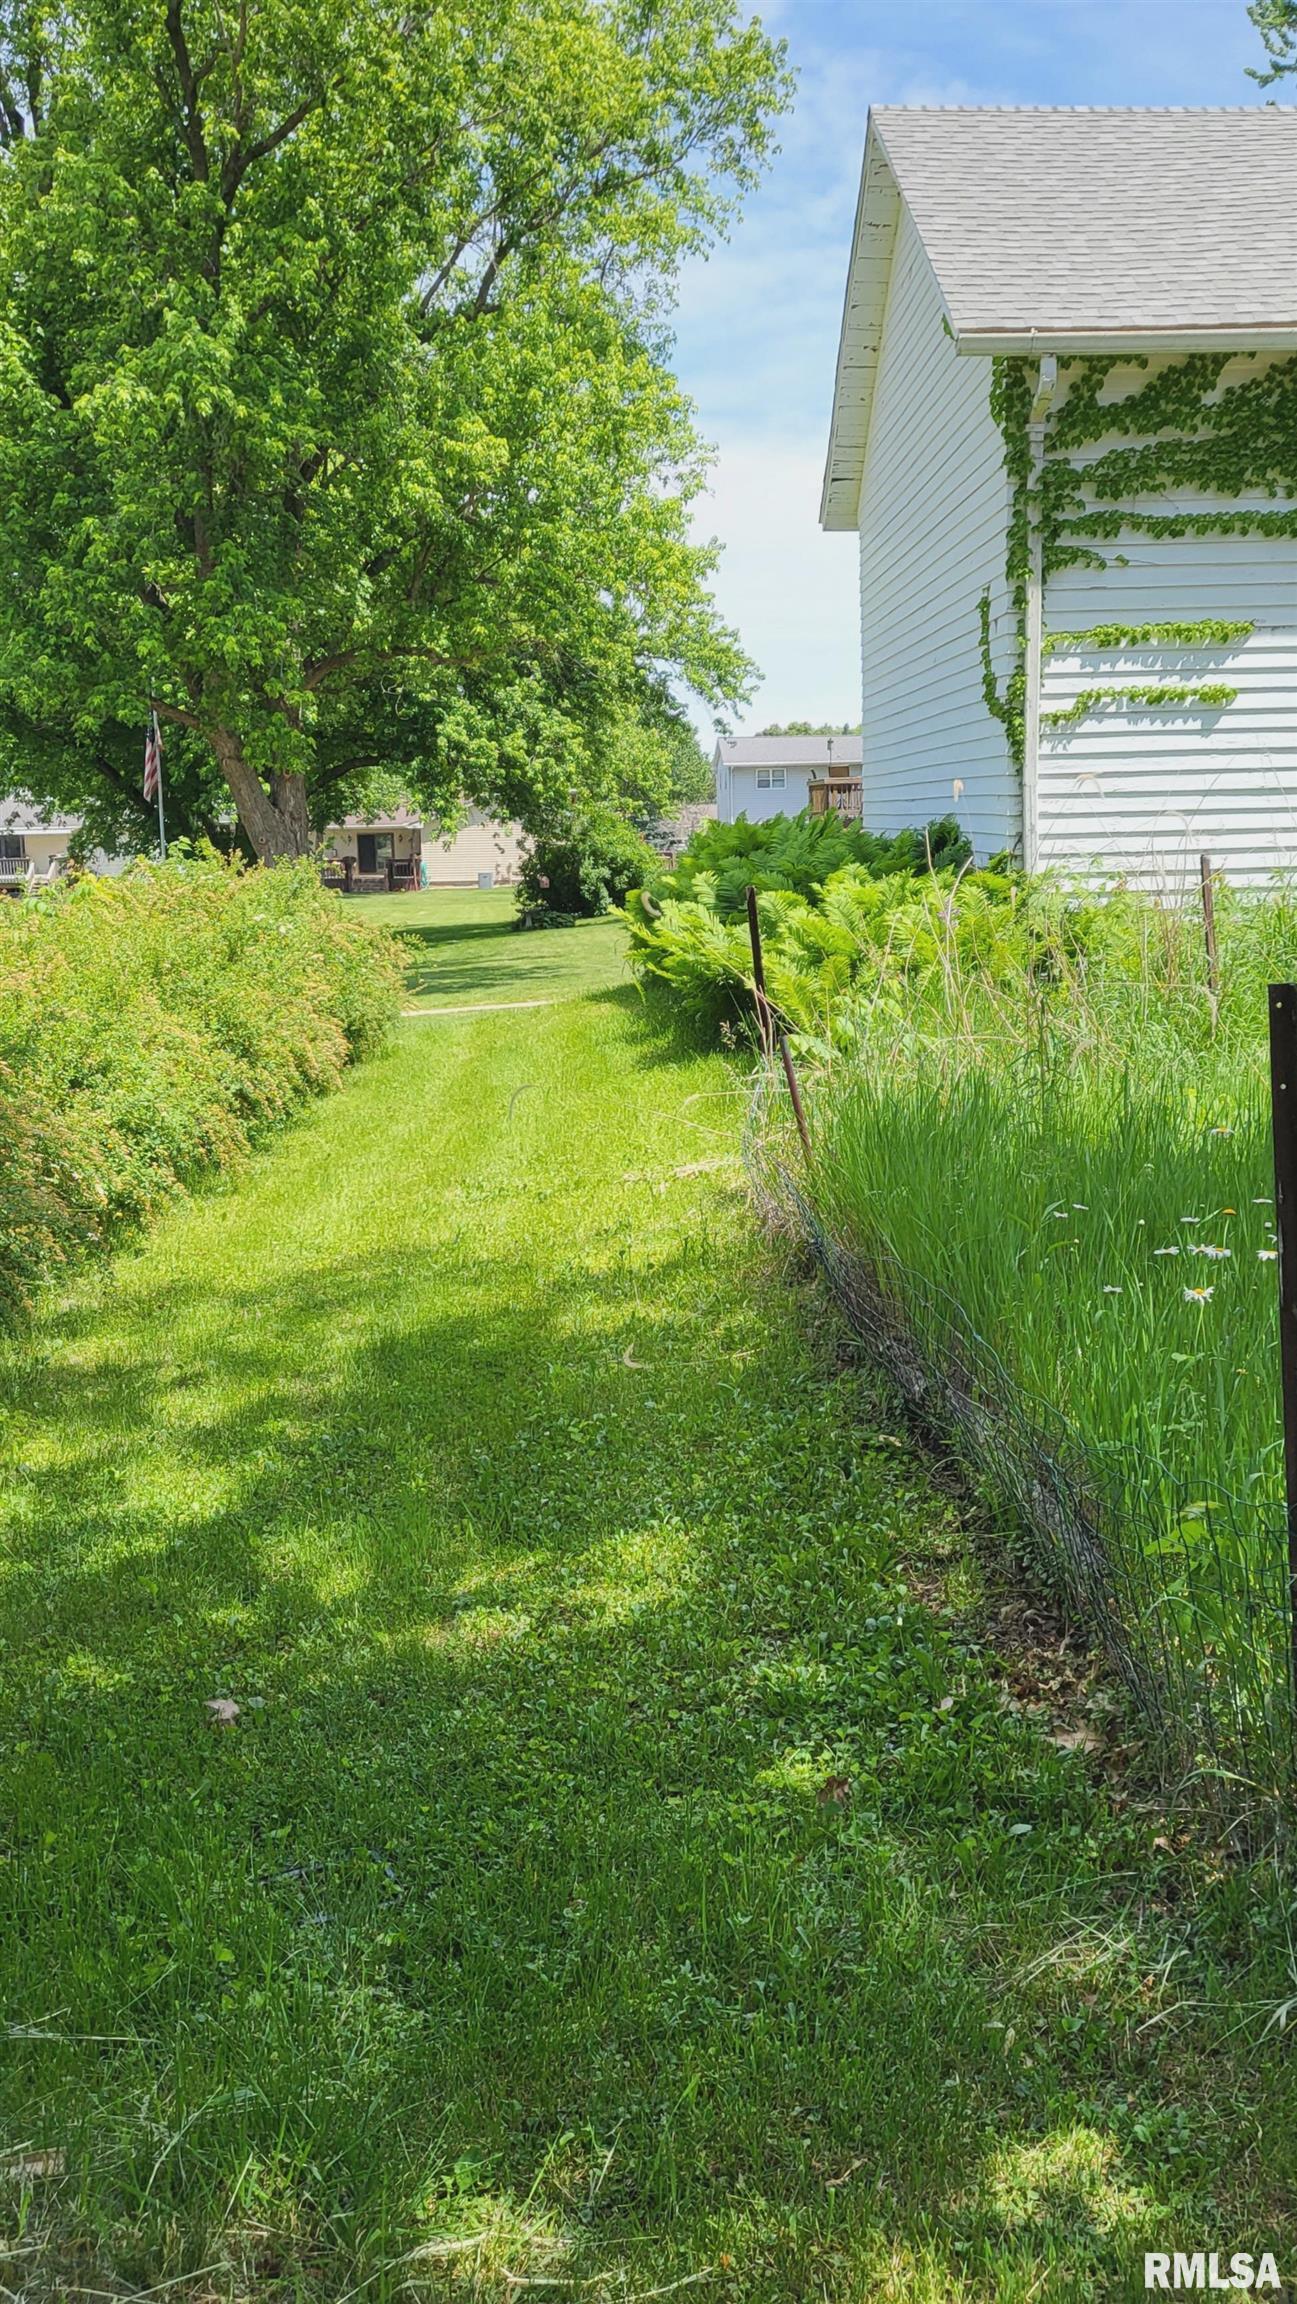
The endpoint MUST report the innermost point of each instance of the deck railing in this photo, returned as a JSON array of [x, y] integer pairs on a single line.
[[20, 877], [392, 875], [840, 794]]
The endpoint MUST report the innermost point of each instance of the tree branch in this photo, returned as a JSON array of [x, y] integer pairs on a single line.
[[181, 718], [246, 156], [191, 117]]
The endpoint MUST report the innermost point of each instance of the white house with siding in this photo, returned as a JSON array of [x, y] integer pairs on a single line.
[[1056, 241], [35, 844], [763, 776], [398, 850]]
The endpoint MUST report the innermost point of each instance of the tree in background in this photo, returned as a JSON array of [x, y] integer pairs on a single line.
[[1276, 21], [812, 728], [335, 414]]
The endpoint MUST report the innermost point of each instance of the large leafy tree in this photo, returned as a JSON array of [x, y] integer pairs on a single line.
[[335, 413]]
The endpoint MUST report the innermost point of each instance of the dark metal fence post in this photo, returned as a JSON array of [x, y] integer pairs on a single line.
[[771, 1029], [1283, 1105], [764, 1020], [1209, 934]]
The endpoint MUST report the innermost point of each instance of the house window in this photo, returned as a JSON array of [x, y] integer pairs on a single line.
[[373, 850], [13, 848], [770, 779]]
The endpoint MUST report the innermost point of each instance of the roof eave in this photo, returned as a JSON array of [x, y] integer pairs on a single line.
[[877, 209], [987, 343]]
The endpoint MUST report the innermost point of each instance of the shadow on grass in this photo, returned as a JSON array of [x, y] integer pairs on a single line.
[[497, 959], [509, 1894], [662, 1033]]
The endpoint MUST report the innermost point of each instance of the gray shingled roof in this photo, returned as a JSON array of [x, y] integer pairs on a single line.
[[1068, 222], [19, 814], [790, 751], [1071, 231]]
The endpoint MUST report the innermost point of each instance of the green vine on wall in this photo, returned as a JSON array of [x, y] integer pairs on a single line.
[[1212, 632], [1008, 705], [1188, 431], [1011, 408], [1207, 695]]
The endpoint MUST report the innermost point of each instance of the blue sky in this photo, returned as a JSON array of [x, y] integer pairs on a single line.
[[757, 324]]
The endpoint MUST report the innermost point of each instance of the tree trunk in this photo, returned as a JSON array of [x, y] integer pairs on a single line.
[[277, 823]]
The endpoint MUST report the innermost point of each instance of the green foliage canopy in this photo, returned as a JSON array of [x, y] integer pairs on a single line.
[[334, 408]]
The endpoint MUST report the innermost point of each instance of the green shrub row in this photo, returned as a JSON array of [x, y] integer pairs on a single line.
[[798, 854], [152, 1028]]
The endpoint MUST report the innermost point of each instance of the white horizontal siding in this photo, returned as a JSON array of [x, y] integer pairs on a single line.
[[1143, 790], [933, 512]]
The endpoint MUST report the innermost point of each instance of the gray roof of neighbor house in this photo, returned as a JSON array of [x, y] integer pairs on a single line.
[[790, 751], [1051, 229], [19, 814], [402, 818]]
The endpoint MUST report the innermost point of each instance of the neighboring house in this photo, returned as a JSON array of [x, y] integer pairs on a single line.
[[1062, 429], [34, 844], [672, 834], [398, 850], [761, 776]]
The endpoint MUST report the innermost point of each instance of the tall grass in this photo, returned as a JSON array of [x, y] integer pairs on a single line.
[[1049, 1146], [1082, 1164]]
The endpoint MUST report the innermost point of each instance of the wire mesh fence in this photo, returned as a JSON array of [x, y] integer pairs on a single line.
[[1190, 1603]]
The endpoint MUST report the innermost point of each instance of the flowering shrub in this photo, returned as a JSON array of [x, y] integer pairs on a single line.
[[152, 1027]]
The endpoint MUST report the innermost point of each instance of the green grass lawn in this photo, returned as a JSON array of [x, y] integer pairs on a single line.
[[466, 951], [615, 1875]]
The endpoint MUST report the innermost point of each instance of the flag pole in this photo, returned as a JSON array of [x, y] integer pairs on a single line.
[[162, 821], [153, 770]]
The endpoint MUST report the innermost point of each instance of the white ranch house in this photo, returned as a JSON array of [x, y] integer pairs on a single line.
[[763, 776], [1055, 247]]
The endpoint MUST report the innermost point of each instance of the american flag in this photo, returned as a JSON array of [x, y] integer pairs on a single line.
[[152, 758]]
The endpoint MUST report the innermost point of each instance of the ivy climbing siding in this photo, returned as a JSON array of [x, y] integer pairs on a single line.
[[1169, 720]]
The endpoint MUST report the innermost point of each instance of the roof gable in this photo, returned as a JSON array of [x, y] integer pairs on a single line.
[[1072, 231]]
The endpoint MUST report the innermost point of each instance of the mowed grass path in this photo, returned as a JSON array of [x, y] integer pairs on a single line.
[[613, 1877], [464, 951]]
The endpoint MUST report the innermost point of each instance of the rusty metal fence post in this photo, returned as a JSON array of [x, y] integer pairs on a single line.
[[771, 1029]]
